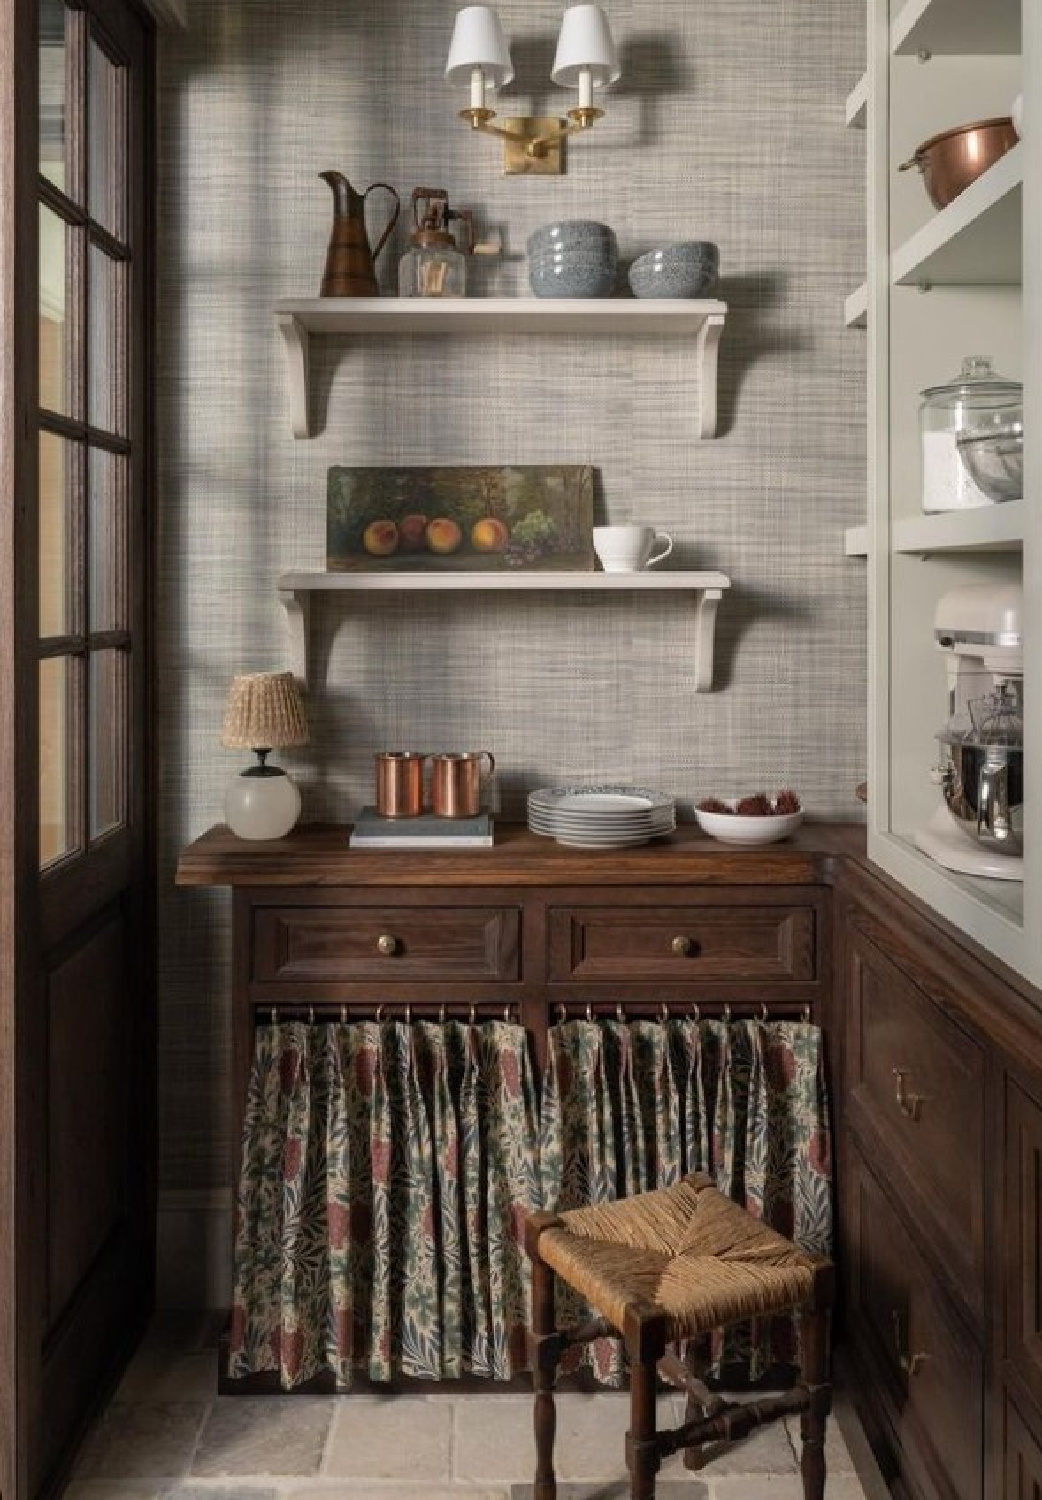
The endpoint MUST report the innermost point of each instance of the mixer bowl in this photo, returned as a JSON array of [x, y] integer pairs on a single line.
[[980, 774]]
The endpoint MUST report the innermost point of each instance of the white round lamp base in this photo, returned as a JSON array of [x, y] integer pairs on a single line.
[[261, 807]]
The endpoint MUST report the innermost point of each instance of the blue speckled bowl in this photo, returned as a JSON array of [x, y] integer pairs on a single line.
[[585, 268], [684, 270], [572, 234]]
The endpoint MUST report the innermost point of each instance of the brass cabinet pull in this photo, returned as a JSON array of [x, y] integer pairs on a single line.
[[911, 1364], [682, 946], [910, 1105], [387, 944]]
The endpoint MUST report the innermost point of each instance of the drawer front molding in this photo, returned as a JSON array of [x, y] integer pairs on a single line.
[[1023, 1239]]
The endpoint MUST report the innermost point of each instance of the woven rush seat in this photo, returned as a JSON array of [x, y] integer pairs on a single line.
[[664, 1266]]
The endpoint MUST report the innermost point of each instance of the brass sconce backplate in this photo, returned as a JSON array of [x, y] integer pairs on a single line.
[[549, 162]]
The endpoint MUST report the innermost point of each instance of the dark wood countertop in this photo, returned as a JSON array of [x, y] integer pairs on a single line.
[[318, 855]]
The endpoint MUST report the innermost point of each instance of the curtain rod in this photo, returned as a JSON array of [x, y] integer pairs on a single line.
[[564, 1010]]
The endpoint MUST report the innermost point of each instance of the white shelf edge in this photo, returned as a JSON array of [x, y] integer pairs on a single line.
[[855, 541], [910, 262], [955, 28], [296, 591], [300, 318], [856, 110], [990, 528], [855, 308]]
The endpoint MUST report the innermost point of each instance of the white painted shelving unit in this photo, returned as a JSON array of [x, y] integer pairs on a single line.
[[706, 589], [301, 319], [978, 264], [855, 308], [856, 113]]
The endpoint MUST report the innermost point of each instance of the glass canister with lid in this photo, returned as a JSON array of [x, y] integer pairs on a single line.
[[978, 399]]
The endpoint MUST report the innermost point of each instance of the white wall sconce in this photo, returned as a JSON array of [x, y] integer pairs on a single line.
[[586, 59]]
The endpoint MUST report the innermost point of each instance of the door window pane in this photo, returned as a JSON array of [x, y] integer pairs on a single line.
[[106, 540], [106, 137], [55, 347], [52, 91], [57, 778], [57, 529], [107, 715], [106, 333]]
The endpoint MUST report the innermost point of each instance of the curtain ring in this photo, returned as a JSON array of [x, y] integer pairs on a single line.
[[562, 1013], [408, 1015], [727, 1015], [274, 1018], [343, 1015], [441, 1015], [620, 1014], [696, 1013], [311, 1015], [805, 1015], [472, 1015], [663, 1013], [589, 1010], [379, 1014], [765, 1014], [506, 1014]]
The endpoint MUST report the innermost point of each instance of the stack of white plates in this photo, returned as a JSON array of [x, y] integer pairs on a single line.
[[601, 817]]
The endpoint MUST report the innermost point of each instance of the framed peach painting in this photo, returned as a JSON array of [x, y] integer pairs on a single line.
[[460, 519]]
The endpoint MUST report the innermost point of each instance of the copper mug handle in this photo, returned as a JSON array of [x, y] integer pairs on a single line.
[[456, 782]]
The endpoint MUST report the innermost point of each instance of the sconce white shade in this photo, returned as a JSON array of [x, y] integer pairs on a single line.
[[585, 42], [478, 42]]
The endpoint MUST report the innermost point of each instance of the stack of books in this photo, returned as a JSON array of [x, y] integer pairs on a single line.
[[372, 831]]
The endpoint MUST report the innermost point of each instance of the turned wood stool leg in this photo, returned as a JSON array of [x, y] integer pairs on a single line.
[[544, 1373], [641, 1453], [814, 1370]]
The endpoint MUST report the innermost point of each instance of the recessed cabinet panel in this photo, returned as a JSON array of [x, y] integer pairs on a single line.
[[1023, 1238], [386, 943], [932, 1369], [915, 1086], [1022, 1478], [682, 944]]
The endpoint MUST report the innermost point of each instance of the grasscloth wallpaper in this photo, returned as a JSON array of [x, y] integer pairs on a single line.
[[727, 125]]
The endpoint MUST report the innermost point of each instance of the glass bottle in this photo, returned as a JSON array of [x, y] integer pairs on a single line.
[[434, 265]]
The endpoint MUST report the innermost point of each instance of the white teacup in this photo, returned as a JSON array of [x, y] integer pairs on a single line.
[[629, 549]]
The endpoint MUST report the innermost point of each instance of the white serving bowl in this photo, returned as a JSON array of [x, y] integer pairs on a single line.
[[734, 828]]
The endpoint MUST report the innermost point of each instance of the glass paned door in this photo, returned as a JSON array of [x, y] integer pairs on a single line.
[[87, 454]]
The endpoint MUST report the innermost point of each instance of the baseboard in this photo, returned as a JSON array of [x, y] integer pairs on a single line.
[[193, 1249]]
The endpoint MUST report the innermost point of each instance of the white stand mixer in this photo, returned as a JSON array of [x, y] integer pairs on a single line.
[[977, 830]]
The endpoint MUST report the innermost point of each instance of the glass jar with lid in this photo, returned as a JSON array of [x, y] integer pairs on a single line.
[[978, 400], [435, 265]]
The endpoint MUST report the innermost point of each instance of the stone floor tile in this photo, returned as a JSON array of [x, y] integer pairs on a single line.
[[115, 1489], [392, 1489], [263, 1435], [616, 1489], [781, 1487], [221, 1492], [391, 1437], [159, 1375], [837, 1454], [767, 1450], [143, 1442], [492, 1438]]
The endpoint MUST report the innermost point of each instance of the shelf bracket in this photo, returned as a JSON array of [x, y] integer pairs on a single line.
[[297, 604], [706, 605], [295, 342], [706, 346]]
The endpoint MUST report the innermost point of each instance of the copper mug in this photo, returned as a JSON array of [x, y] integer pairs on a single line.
[[399, 783], [456, 782]]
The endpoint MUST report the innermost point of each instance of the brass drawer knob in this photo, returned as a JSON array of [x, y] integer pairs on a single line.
[[910, 1105], [682, 946], [387, 944]]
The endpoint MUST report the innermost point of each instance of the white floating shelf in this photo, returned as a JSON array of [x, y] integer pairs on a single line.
[[300, 319], [988, 528], [855, 308], [975, 241], [957, 28], [855, 541], [856, 112], [296, 589]]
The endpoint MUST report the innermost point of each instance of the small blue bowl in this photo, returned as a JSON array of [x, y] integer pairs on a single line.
[[687, 269], [571, 234], [585, 268]]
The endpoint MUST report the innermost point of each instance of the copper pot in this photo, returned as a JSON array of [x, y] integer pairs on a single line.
[[952, 160]]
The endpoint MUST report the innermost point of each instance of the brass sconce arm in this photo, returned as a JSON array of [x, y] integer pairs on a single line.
[[581, 119], [532, 144]]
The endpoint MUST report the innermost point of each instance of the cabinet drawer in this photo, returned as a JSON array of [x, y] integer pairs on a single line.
[[683, 944], [1023, 1238], [315, 944], [916, 1093], [932, 1368]]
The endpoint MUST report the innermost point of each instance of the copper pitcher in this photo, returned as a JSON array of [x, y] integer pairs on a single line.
[[456, 782], [350, 264], [399, 783]]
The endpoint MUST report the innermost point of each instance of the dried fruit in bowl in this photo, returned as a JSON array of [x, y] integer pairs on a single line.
[[786, 802], [757, 806], [714, 805]]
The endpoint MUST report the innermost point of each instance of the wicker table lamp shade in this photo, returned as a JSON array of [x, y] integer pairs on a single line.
[[264, 712]]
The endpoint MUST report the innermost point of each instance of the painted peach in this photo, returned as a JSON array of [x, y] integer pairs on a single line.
[[413, 533], [489, 535], [380, 538], [443, 535]]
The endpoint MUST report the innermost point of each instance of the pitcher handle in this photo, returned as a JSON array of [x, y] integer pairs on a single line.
[[491, 760], [392, 221]]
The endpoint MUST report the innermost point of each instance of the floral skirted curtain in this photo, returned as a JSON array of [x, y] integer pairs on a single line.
[[386, 1171], [629, 1106], [387, 1168]]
